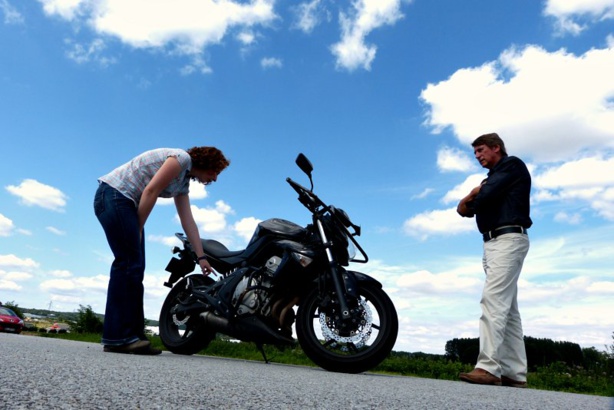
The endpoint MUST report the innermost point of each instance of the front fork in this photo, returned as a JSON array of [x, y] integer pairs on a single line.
[[338, 285]]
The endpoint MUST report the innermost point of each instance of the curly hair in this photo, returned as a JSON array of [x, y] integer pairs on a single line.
[[209, 158]]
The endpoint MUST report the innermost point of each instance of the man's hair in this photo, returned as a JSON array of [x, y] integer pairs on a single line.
[[491, 140], [209, 158]]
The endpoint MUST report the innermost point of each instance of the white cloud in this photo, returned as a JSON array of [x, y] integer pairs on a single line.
[[438, 222], [462, 190], [571, 219], [11, 15], [33, 193], [588, 180], [245, 227], [67, 9], [55, 231], [93, 52], [309, 15], [164, 240], [351, 51], [182, 27], [527, 97], [6, 226], [76, 286], [271, 62], [451, 159], [568, 12], [425, 193], [9, 285], [61, 273], [12, 261], [212, 220], [188, 25]]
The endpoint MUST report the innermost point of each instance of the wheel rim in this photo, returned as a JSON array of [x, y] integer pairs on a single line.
[[179, 327], [331, 335]]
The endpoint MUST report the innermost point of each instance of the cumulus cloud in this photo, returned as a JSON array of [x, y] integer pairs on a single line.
[[245, 227], [184, 27], [34, 193], [352, 52], [452, 159], [438, 222], [14, 269], [212, 220], [12, 261], [588, 180], [527, 97]]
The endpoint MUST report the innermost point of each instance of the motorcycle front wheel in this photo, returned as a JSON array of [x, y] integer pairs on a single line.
[[180, 333], [338, 347]]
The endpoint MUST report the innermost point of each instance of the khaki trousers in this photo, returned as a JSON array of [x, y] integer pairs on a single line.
[[502, 350]]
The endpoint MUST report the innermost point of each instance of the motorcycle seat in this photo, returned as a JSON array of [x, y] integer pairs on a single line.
[[218, 250]]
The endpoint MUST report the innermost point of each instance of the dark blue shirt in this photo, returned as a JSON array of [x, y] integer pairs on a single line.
[[504, 196]]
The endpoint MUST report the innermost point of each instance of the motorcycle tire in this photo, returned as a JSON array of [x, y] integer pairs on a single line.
[[183, 335], [366, 346]]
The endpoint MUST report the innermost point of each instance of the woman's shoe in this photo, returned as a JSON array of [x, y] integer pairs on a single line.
[[131, 348]]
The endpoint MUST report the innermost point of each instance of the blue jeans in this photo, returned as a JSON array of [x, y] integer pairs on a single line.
[[124, 319]]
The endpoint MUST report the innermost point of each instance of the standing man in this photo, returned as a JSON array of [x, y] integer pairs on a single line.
[[501, 207]]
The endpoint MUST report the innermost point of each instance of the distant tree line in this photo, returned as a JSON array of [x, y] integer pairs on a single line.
[[540, 353]]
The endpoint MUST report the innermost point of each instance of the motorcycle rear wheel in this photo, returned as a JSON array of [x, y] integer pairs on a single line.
[[183, 334], [366, 346]]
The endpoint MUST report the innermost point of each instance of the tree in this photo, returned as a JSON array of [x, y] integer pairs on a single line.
[[87, 321], [13, 306]]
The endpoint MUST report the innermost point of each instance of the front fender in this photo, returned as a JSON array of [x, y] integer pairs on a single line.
[[352, 280]]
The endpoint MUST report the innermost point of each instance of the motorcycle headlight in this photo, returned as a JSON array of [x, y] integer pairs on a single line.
[[351, 250], [342, 216]]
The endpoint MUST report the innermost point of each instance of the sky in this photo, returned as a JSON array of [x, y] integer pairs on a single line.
[[383, 96]]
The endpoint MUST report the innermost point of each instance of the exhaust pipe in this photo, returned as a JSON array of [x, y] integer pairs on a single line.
[[248, 328]]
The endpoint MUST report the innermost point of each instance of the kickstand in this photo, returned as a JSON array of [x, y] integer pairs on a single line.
[[261, 350]]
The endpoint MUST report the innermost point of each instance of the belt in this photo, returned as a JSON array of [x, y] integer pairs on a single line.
[[502, 231]]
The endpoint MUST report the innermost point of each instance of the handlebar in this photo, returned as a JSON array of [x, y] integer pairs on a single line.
[[306, 196]]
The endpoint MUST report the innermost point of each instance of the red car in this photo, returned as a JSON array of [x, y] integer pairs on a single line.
[[9, 321]]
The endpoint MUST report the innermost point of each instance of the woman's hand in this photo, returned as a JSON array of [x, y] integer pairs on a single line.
[[205, 267]]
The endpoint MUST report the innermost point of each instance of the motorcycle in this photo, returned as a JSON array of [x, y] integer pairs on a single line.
[[287, 276]]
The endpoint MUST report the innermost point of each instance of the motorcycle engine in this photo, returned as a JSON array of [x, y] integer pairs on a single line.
[[251, 294]]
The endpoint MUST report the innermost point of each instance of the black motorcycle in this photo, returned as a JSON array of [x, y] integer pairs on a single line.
[[344, 320]]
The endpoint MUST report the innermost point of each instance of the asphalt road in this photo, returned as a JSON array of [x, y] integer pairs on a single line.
[[45, 373]]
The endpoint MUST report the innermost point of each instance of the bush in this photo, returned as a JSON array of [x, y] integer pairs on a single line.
[[87, 321]]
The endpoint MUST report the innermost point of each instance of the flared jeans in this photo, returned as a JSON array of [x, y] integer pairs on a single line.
[[502, 349], [124, 319]]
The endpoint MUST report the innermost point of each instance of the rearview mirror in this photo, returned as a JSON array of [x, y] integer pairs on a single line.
[[304, 164]]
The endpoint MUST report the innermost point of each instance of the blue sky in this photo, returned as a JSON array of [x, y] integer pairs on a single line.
[[384, 97]]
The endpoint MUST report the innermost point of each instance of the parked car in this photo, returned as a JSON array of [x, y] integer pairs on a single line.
[[9, 321]]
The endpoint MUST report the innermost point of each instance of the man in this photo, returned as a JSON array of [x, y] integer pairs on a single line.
[[501, 207]]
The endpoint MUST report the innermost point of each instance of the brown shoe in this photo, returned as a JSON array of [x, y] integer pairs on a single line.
[[480, 376], [134, 347], [506, 381], [149, 350]]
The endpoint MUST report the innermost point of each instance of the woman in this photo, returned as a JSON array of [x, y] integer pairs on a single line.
[[123, 202]]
